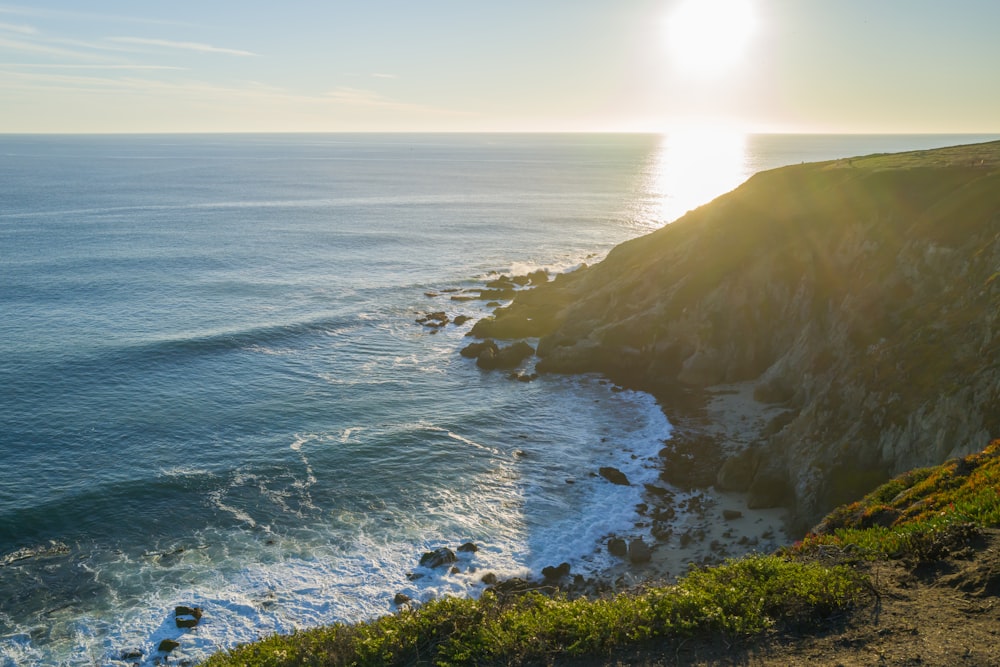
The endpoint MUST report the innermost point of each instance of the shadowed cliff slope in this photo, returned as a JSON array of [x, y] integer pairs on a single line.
[[862, 294]]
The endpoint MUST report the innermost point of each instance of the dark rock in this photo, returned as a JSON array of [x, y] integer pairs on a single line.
[[639, 551], [401, 599], [690, 460], [769, 489], [489, 579], [167, 645], [187, 617], [553, 574], [454, 570], [431, 295], [460, 320], [503, 282], [182, 610], [438, 557], [473, 350], [729, 515], [614, 475], [438, 319], [539, 277], [736, 473], [468, 547], [505, 358], [617, 547], [132, 654]]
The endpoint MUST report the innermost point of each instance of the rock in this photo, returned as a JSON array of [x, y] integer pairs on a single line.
[[736, 473], [504, 358], [769, 489], [614, 475], [167, 645], [538, 277], [182, 610], [132, 654], [187, 617], [489, 579], [438, 557], [468, 547], [618, 547], [554, 574], [503, 282], [730, 515], [401, 599], [639, 551], [473, 350], [460, 320], [438, 319]]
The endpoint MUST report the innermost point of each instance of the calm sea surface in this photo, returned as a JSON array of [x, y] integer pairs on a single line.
[[213, 391]]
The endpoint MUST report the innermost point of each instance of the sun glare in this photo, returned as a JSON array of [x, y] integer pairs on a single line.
[[707, 38], [693, 166]]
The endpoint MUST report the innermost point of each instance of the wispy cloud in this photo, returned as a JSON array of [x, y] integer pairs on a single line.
[[183, 46], [31, 66], [20, 29], [381, 75], [61, 14], [41, 48]]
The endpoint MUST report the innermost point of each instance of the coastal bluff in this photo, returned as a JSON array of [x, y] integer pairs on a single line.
[[861, 296]]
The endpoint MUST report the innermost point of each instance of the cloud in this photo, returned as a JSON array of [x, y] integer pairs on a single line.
[[183, 46], [20, 29], [78, 66], [44, 49], [380, 75], [61, 14]]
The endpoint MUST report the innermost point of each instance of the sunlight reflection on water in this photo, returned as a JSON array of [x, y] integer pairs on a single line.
[[693, 167]]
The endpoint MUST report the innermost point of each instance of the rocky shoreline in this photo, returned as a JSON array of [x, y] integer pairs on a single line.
[[692, 520]]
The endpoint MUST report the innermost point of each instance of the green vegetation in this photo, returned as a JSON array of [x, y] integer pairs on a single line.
[[918, 512], [740, 598]]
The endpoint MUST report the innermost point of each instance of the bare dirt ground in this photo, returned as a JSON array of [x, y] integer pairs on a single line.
[[943, 613]]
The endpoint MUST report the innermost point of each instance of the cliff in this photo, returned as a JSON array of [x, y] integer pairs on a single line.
[[862, 295]]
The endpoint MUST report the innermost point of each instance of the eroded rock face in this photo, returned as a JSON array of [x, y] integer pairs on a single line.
[[863, 296]]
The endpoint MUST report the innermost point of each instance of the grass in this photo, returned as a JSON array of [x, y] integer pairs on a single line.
[[740, 598], [908, 514]]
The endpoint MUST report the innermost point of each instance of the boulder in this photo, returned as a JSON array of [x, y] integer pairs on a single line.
[[730, 515], [614, 475], [438, 557], [554, 574], [187, 617], [505, 358], [460, 320], [489, 579], [167, 645], [639, 551], [769, 489], [473, 350], [468, 547], [618, 547], [401, 599]]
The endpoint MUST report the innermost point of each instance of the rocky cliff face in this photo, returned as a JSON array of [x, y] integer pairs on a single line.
[[863, 294]]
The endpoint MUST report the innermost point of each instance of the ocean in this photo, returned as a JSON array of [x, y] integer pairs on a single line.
[[214, 392]]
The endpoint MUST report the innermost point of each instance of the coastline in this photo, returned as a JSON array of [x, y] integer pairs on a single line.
[[716, 524]]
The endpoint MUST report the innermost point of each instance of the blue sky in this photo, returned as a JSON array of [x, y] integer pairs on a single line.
[[467, 65]]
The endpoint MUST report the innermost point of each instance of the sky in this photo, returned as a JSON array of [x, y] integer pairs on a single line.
[[858, 66]]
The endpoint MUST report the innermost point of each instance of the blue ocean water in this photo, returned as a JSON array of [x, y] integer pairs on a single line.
[[213, 390]]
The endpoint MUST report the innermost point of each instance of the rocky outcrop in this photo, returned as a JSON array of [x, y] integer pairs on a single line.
[[862, 294]]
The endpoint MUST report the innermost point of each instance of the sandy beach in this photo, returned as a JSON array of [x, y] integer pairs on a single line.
[[715, 524]]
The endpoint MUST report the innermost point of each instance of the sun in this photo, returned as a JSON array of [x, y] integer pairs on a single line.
[[708, 38]]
